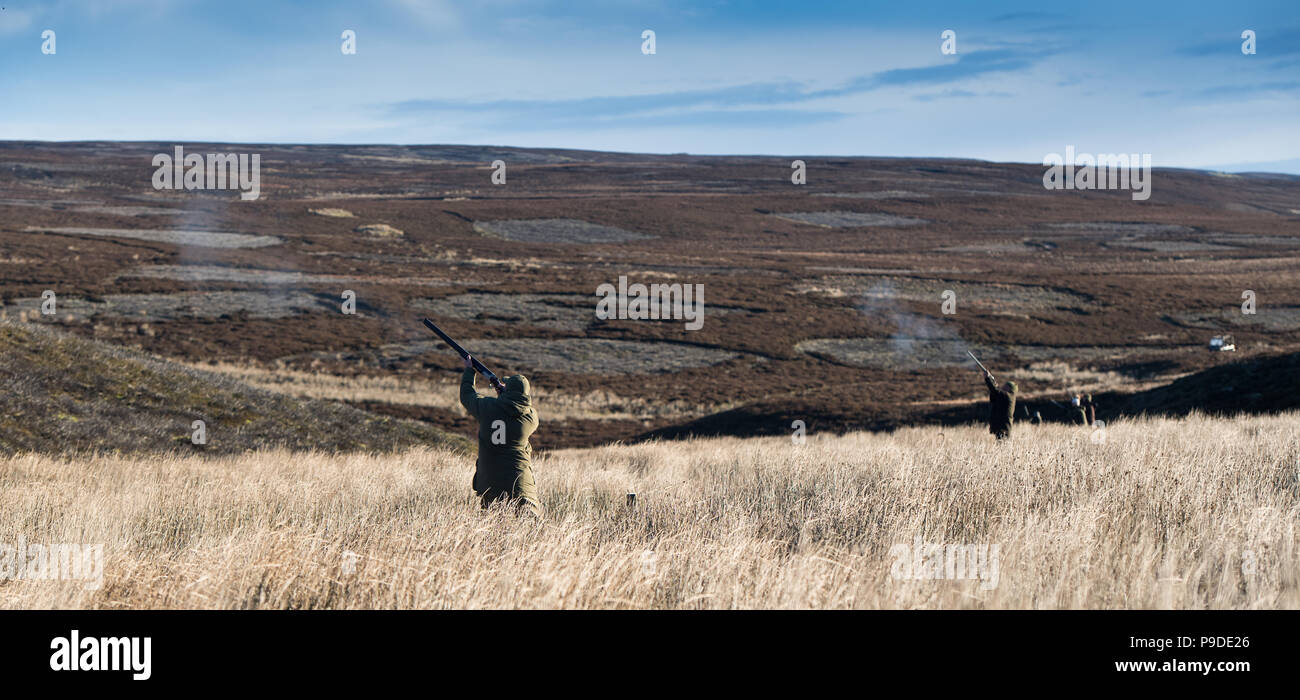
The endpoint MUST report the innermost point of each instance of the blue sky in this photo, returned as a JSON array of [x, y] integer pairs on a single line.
[[764, 77]]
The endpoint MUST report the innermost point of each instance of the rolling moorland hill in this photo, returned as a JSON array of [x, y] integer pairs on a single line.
[[1257, 385], [62, 394], [823, 301]]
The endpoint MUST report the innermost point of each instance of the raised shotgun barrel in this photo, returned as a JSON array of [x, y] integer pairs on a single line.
[[478, 366], [977, 361]]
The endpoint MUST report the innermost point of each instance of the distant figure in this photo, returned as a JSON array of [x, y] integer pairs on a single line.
[[1078, 414], [1089, 410], [1002, 406], [504, 469], [1037, 419]]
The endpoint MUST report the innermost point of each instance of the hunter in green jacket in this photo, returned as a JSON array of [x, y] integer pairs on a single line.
[[504, 469], [1002, 407]]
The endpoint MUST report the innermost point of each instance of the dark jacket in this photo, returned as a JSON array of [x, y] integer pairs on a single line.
[[504, 466], [1079, 414], [1002, 408]]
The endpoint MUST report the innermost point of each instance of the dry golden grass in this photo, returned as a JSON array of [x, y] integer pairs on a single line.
[[333, 212], [1163, 514]]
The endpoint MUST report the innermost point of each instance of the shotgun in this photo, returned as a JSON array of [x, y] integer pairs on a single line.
[[478, 366], [977, 361]]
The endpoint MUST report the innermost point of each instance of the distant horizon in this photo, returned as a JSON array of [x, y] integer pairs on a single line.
[[1276, 167]]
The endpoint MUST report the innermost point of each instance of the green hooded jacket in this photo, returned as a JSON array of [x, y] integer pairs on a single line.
[[504, 466], [1002, 408]]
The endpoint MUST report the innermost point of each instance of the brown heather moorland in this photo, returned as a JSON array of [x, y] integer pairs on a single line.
[[822, 301]]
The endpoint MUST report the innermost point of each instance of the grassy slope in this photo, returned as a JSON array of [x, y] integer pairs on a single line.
[[1163, 513], [1257, 385], [61, 394]]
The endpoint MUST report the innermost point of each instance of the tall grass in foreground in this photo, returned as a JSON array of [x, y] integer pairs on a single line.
[[1194, 513]]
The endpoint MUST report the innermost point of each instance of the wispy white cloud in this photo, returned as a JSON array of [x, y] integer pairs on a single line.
[[13, 21], [680, 107], [435, 14]]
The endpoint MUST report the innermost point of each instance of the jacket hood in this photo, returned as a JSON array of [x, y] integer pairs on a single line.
[[518, 394]]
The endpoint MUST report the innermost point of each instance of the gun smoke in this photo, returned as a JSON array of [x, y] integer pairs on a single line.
[[913, 333]]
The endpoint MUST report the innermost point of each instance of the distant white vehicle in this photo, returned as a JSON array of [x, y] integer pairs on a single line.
[[1222, 343]]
